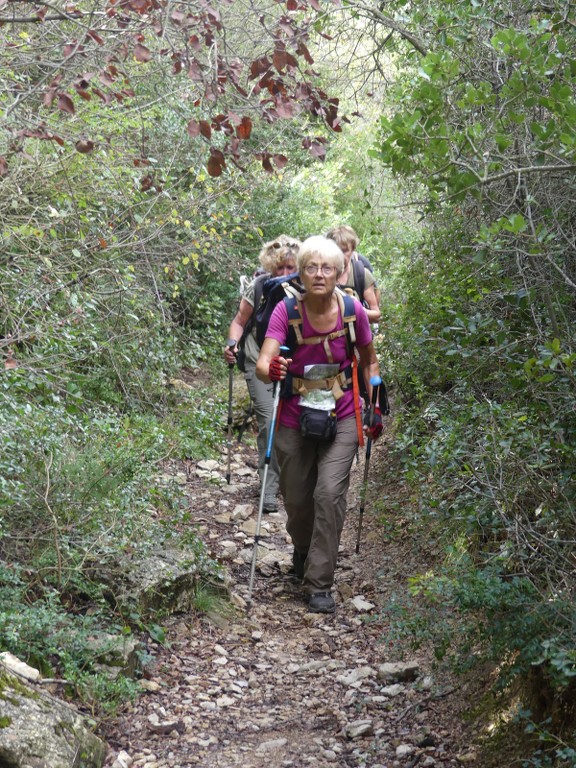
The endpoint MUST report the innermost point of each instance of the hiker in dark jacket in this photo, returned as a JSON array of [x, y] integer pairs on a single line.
[[357, 276], [277, 257]]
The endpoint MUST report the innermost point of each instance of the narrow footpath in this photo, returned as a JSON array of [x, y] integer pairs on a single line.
[[276, 686]]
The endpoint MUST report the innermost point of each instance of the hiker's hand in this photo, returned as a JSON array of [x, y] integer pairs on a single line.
[[230, 351], [374, 431], [278, 368]]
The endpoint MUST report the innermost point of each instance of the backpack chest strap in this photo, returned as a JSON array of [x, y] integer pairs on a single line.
[[346, 306], [336, 384], [324, 339]]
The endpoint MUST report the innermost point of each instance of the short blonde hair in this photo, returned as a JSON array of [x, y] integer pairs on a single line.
[[275, 252], [344, 236], [323, 248]]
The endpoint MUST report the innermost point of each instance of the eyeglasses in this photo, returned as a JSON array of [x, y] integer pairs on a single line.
[[326, 269], [277, 245]]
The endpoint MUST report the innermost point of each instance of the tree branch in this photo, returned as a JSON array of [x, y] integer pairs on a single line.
[[377, 15]]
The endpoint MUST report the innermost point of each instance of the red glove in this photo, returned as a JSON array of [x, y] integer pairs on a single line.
[[277, 371], [375, 430]]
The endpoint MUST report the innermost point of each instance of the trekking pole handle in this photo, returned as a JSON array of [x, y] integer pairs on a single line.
[[231, 343], [375, 382]]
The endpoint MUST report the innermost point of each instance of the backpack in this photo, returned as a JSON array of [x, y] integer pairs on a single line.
[[268, 291], [364, 259], [349, 377], [295, 338], [359, 266], [273, 291], [349, 319]]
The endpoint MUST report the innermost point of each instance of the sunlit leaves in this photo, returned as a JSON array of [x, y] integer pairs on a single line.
[[469, 110]]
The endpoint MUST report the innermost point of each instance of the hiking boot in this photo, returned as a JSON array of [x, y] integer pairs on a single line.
[[298, 560], [321, 602], [270, 505]]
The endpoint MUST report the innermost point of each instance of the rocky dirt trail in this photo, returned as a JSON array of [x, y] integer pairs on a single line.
[[276, 686]]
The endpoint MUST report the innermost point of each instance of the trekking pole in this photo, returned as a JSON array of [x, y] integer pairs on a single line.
[[375, 381], [268, 456], [230, 343]]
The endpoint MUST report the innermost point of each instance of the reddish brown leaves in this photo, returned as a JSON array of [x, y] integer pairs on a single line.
[[84, 146], [278, 85], [286, 108], [41, 133], [267, 159], [195, 71], [283, 60], [303, 51], [216, 162], [230, 124], [259, 67], [141, 53], [315, 147], [95, 36], [148, 182], [81, 86], [73, 47], [10, 362], [65, 103], [199, 128], [244, 130], [205, 129]]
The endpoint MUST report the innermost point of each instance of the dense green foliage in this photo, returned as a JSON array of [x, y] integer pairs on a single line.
[[119, 273], [481, 319]]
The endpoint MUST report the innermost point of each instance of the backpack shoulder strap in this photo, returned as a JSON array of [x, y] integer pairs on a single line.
[[292, 303], [359, 277], [258, 293], [347, 311], [364, 259], [259, 289]]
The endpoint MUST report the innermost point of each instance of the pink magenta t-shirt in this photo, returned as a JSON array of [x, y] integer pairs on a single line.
[[315, 353]]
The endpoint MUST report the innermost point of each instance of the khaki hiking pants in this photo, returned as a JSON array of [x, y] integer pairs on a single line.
[[263, 399], [314, 480]]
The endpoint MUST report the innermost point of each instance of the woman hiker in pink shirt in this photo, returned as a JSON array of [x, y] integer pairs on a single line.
[[319, 422]]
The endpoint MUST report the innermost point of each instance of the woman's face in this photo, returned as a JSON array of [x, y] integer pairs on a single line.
[[347, 250], [319, 276], [287, 267]]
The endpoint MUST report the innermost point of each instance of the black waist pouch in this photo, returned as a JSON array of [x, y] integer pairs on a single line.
[[318, 425]]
